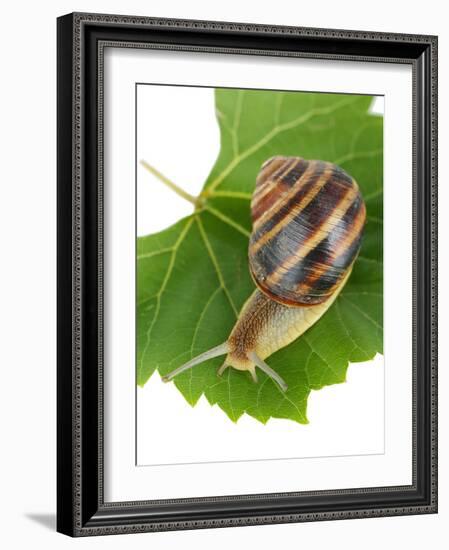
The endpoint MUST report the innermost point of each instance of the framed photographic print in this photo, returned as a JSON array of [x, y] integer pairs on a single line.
[[246, 274]]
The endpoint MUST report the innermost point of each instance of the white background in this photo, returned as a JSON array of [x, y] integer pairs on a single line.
[[28, 403], [360, 460], [164, 138]]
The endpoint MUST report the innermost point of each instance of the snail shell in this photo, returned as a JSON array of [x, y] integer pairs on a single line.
[[308, 219]]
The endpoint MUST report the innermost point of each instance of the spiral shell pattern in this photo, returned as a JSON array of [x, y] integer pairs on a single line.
[[308, 219]]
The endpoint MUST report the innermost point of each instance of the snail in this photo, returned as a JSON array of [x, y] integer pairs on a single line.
[[308, 219]]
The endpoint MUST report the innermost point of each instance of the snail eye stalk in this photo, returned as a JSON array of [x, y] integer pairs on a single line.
[[268, 370], [209, 354]]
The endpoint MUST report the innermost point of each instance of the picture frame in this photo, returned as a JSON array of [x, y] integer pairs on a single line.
[[81, 506]]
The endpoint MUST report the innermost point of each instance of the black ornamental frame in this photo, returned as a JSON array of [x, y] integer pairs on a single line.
[[81, 509]]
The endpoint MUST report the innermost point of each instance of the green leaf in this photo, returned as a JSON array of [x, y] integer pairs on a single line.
[[193, 278]]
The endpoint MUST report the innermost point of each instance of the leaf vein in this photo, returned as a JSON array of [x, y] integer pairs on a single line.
[[363, 313], [271, 134], [163, 286], [227, 220], [154, 253], [237, 118], [195, 333], [215, 264], [339, 315]]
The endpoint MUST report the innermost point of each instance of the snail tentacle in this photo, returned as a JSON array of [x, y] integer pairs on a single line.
[[268, 370], [222, 349], [254, 375], [221, 370]]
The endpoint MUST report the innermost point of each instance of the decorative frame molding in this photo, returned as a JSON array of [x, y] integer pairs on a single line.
[[81, 41]]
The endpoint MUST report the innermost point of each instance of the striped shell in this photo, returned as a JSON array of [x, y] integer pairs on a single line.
[[308, 218]]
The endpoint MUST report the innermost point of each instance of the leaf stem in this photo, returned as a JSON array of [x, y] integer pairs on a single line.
[[178, 190], [230, 194]]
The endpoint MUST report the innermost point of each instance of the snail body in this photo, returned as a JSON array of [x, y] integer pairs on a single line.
[[308, 219]]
